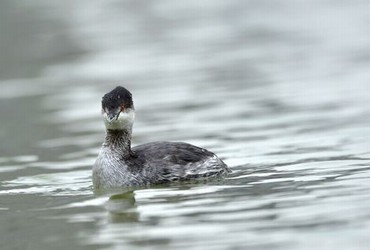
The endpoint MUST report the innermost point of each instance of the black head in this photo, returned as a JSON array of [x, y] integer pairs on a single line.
[[119, 97], [118, 101]]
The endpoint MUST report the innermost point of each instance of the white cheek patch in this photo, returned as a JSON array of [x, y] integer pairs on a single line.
[[125, 121]]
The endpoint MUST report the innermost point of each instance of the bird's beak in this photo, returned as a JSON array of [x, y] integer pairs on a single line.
[[113, 115]]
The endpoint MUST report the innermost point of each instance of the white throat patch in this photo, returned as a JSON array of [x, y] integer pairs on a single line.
[[125, 120]]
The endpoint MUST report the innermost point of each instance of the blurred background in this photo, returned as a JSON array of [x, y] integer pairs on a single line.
[[278, 89]]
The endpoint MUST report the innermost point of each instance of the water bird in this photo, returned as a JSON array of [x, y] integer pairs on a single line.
[[120, 165]]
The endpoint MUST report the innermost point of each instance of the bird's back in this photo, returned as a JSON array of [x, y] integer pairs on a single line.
[[176, 161]]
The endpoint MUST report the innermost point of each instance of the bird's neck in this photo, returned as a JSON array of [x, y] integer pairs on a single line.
[[118, 140]]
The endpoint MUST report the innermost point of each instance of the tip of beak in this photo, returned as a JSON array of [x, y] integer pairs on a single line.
[[111, 117], [110, 120]]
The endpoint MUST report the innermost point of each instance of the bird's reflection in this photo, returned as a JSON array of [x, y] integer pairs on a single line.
[[122, 208]]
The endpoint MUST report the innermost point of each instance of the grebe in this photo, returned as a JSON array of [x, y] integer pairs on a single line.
[[119, 165]]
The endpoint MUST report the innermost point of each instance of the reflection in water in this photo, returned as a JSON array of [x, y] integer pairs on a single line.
[[122, 208], [279, 90]]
